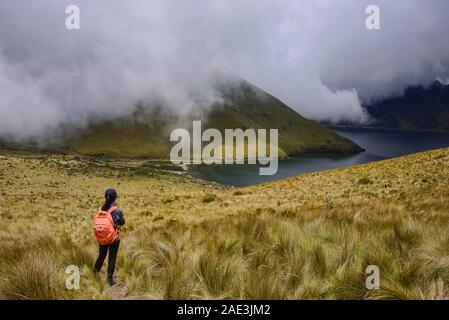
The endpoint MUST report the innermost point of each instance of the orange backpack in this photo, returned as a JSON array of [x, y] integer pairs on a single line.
[[104, 229]]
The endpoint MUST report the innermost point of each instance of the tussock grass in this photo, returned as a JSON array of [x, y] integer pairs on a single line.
[[32, 277], [210, 197], [306, 237]]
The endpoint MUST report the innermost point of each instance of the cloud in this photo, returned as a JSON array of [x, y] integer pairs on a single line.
[[317, 56]]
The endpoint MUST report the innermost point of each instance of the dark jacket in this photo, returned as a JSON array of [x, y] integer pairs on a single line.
[[117, 217]]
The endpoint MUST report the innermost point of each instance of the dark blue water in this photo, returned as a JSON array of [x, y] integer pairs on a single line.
[[378, 145]]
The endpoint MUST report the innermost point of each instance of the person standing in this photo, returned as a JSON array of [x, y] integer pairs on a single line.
[[107, 225]]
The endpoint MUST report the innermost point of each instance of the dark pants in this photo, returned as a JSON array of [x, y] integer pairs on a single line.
[[103, 251]]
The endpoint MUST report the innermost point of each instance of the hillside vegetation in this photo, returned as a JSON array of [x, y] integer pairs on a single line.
[[305, 237], [146, 132]]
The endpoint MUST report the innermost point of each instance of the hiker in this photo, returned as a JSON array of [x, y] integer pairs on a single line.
[[107, 225]]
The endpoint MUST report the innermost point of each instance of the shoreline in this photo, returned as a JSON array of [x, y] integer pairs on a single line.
[[389, 129]]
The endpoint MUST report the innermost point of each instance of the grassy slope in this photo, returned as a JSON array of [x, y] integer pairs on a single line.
[[306, 237], [245, 106], [143, 134]]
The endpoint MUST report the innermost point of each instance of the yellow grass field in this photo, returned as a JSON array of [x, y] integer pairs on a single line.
[[305, 237]]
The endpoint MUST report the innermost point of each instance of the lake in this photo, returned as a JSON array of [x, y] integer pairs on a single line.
[[379, 145]]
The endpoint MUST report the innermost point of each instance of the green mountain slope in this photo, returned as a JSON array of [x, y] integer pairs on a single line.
[[146, 132]]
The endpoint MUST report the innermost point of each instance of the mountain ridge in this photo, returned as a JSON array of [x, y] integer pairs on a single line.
[[419, 108], [146, 132]]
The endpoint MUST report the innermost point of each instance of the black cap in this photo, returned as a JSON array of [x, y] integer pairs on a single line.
[[110, 194]]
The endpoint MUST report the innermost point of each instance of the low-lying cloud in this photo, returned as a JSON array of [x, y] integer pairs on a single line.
[[317, 56]]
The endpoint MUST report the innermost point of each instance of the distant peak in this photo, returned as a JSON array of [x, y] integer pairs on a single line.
[[443, 82]]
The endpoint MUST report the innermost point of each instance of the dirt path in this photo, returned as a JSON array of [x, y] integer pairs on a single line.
[[118, 291]]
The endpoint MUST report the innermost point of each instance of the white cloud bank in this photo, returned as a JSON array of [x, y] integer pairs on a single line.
[[317, 56]]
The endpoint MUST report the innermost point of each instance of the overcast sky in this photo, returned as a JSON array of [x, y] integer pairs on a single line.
[[315, 55]]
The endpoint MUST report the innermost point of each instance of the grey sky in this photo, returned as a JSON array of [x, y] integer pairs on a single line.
[[315, 55]]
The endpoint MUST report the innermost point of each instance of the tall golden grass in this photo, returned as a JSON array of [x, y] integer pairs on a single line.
[[307, 237]]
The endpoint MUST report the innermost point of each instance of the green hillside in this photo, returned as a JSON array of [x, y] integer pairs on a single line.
[[146, 132]]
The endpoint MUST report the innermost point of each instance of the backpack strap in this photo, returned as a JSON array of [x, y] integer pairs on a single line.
[[111, 210], [116, 227]]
